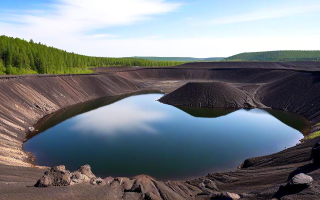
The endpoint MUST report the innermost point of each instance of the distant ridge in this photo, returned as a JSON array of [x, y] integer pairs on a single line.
[[276, 56], [180, 59]]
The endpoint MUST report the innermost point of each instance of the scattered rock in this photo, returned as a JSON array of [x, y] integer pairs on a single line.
[[126, 182], [37, 106], [300, 180], [246, 164], [210, 184], [109, 180], [225, 195], [86, 170], [97, 181], [56, 176], [31, 129], [247, 195], [78, 177], [232, 195]]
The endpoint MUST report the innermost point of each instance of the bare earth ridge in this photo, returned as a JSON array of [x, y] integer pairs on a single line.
[[290, 86]]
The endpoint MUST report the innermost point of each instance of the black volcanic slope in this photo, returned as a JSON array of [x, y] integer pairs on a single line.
[[291, 86], [209, 94]]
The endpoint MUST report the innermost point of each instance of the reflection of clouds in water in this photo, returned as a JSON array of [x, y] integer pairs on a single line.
[[111, 119], [256, 111], [254, 116]]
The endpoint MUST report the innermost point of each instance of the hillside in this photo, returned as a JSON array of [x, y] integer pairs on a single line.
[[18, 56], [181, 59], [277, 56]]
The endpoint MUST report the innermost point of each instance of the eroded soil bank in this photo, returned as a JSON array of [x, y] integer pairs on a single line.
[[286, 86]]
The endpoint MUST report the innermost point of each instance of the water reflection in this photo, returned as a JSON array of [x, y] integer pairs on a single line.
[[295, 121], [205, 112], [119, 118], [62, 115], [139, 135]]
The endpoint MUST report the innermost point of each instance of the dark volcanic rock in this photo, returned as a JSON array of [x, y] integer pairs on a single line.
[[209, 94], [56, 176], [316, 153]]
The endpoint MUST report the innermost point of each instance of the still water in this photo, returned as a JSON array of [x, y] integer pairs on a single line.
[[138, 135]]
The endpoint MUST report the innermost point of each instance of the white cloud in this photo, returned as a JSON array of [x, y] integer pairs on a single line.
[[77, 17], [99, 36], [194, 47], [265, 14], [71, 25]]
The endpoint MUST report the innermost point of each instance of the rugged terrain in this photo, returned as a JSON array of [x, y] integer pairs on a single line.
[[291, 86]]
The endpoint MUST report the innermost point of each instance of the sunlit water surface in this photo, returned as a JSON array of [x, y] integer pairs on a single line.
[[138, 135]]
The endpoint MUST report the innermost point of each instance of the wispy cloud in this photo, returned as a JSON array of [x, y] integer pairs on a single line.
[[81, 17], [101, 36], [264, 14]]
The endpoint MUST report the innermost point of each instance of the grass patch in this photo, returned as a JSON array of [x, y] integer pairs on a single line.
[[312, 135]]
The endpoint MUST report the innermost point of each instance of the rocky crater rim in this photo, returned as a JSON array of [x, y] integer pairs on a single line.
[[23, 101]]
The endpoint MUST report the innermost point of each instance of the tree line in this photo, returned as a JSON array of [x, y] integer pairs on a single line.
[[277, 56], [18, 56]]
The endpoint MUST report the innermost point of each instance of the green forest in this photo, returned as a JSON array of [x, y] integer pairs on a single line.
[[18, 56], [182, 59], [277, 56]]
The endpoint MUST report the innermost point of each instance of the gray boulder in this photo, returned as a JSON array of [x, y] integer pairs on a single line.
[[78, 177], [301, 180], [86, 170], [56, 176]]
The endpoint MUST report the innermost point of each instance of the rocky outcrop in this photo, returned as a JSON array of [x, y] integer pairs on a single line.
[[56, 176], [59, 176]]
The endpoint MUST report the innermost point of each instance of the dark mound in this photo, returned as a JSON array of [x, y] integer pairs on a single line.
[[206, 113], [211, 94]]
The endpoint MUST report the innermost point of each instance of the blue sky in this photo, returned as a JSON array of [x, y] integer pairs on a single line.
[[198, 28]]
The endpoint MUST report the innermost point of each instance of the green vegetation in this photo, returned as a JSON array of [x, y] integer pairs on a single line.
[[18, 56], [181, 59], [312, 135], [277, 56]]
